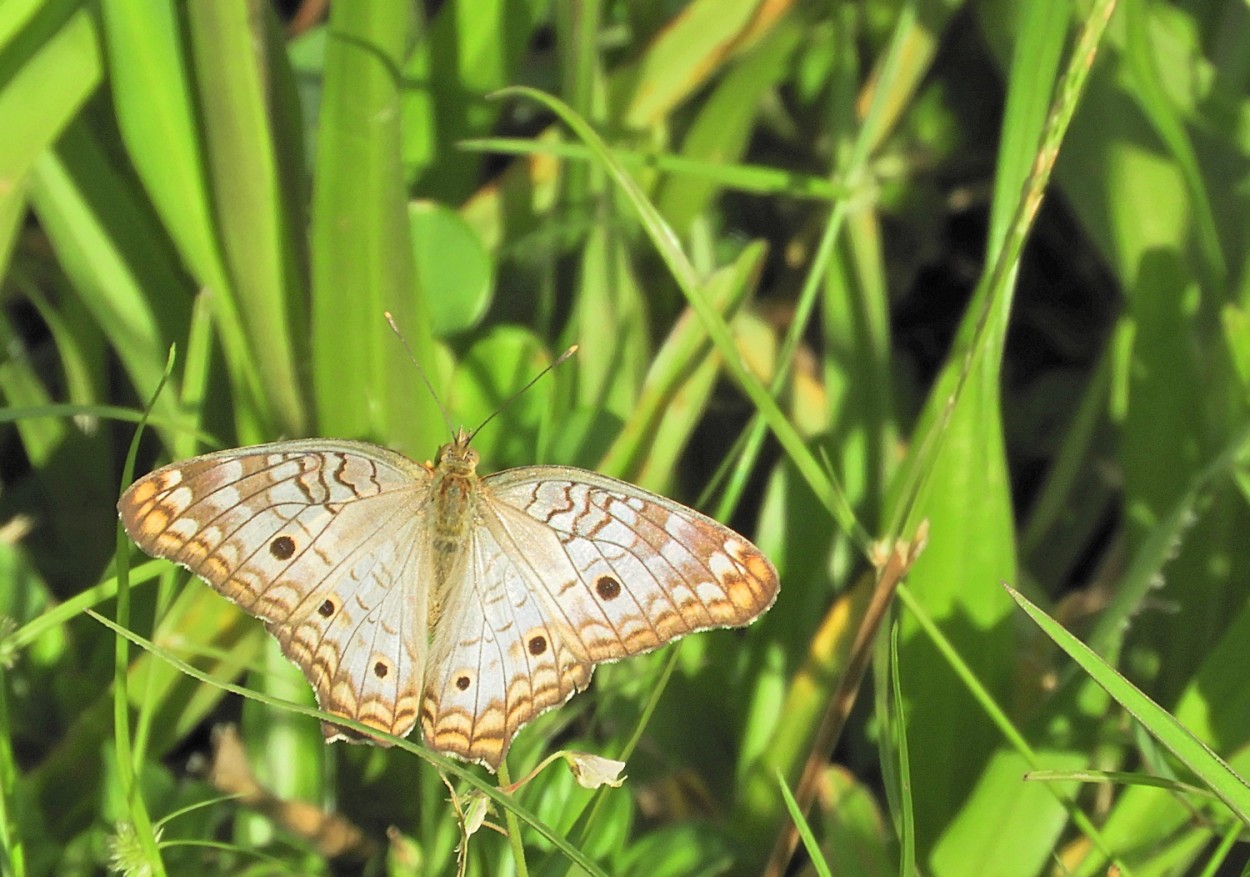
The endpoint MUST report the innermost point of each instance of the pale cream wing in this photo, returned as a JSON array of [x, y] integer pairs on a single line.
[[647, 569], [569, 568], [499, 655], [322, 541]]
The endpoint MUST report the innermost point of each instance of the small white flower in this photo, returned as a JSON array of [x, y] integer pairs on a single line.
[[593, 771]]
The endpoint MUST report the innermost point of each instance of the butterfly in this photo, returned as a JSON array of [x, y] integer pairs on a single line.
[[411, 592]]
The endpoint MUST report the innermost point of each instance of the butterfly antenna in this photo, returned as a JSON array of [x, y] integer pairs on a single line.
[[429, 386], [563, 356]]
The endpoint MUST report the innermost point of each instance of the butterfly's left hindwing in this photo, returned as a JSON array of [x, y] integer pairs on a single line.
[[318, 539]]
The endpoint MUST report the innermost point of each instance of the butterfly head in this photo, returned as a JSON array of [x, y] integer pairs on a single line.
[[457, 457]]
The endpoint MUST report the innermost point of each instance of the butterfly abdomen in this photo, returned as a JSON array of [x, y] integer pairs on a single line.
[[453, 512]]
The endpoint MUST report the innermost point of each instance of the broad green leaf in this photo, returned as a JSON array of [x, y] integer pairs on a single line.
[[155, 104], [362, 263], [453, 269]]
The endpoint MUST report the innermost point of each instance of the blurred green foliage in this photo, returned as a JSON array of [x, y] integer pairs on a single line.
[[789, 240]]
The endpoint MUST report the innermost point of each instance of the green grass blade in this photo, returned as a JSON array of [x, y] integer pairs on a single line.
[[1225, 783], [258, 232], [805, 831], [444, 764], [107, 251], [155, 103], [129, 765], [42, 92]]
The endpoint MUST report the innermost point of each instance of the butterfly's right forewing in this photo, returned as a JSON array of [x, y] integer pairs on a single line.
[[321, 541], [564, 569]]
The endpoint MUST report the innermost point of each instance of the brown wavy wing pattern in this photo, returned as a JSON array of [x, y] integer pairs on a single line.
[[319, 539], [501, 655], [648, 569]]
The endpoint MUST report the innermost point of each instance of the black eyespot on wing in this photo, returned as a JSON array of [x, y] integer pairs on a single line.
[[462, 682], [538, 645], [326, 609], [380, 669], [282, 548], [607, 588]]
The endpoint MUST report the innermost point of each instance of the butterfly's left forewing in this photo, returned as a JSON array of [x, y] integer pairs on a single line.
[[321, 541]]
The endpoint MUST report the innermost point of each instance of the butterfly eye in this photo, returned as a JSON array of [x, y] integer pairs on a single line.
[[282, 547], [608, 588]]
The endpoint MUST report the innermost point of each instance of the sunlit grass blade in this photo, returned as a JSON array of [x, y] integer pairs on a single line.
[[666, 242], [748, 178], [1228, 786], [39, 96], [261, 228], [155, 104], [684, 54], [816, 857], [129, 762], [903, 810]]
